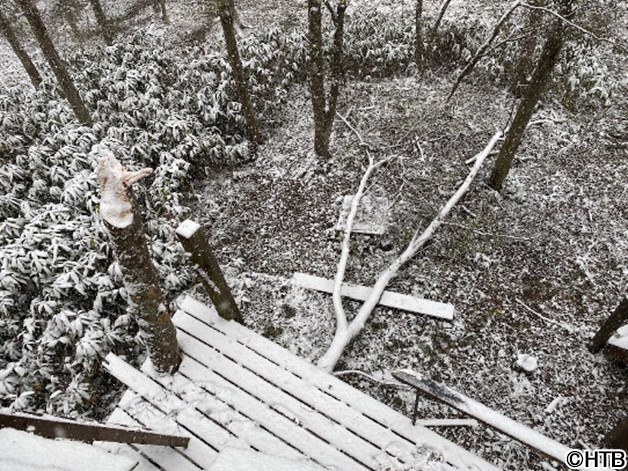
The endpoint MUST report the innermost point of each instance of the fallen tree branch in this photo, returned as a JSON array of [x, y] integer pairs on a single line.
[[568, 328], [483, 48], [345, 333]]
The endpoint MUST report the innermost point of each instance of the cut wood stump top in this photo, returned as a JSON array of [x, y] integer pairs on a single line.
[[236, 390]]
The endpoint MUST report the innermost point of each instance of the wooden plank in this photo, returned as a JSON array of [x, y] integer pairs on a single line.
[[372, 409], [303, 411], [164, 457], [23, 450], [53, 427], [506, 425], [236, 459], [231, 389], [389, 299], [246, 432], [356, 435], [143, 463], [162, 408], [199, 450]]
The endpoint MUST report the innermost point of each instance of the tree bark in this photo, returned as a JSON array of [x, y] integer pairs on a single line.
[[56, 64], [124, 224], [614, 322], [419, 48], [439, 19], [103, 22], [324, 107], [226, 10], [194, 241], [159, 7], [540, 79], [525, 62], [22, 55]]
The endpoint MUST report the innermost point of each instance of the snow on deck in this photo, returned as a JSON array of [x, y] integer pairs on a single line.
[[236, 390]]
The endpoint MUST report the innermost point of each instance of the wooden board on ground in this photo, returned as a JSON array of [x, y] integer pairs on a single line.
[[236, 459], [371, 218], [267, 400], [388, 299], [520, 432], [23, 450], [55, 427]]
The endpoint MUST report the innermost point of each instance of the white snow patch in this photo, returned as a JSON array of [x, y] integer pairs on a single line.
[[22, 451], [187, 228], [235, 459], [527, 362]]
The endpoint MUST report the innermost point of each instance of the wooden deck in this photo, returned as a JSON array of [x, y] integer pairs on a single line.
[[236, 390]]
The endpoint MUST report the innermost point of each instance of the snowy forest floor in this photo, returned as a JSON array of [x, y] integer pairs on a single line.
[[555, 240]]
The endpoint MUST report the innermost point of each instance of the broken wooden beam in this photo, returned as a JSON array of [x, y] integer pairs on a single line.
[[506, 425], [53, 427], [388, 299], [194, 241], [614, 322]]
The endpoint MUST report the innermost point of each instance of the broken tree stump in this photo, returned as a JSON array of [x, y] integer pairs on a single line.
[[194, 241], [124, 225], [614, 322]]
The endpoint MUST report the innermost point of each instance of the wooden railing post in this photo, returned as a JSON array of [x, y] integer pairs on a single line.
[[194, 241], [609, 327]]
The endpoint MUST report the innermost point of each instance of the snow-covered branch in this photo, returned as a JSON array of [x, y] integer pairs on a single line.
[[343, 336]]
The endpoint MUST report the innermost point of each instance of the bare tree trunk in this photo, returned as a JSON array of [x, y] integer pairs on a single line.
[[324, 107], [103, 23], [419, 48], [538, 83], [159, 7], [69, 13], [439, 19], [614, 322], [226, 12], [56, 64], [22, 55], [124, 224], [525, 62]]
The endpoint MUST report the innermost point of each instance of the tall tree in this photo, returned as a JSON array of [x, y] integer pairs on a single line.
[[56, 64], [226, 12], [525, 61], [103, 22], [22, 55], [419, 48], [538, 83], [323, 103], [439, 18]]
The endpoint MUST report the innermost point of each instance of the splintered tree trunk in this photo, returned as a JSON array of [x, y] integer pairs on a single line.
[[610, 326], [56, 64], [324, 107], [540, 78], [126, 231], [27, 63], [419, 49], [226, 11], [103, 23]]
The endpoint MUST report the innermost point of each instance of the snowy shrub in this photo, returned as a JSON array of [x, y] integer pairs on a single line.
[[62, 301]]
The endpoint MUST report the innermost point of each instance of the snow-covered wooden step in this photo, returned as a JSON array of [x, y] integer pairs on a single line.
[[24, 451], [372, 412], [236, 459], [239, 394], [389, 299]]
